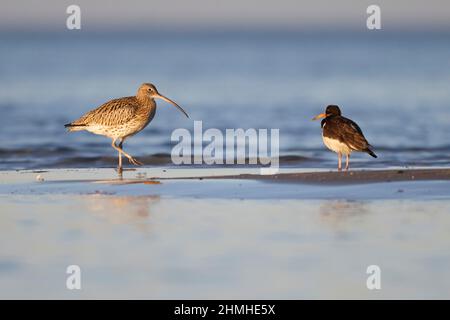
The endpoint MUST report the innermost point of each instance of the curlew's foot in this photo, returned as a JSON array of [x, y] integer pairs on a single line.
[[135, 162]]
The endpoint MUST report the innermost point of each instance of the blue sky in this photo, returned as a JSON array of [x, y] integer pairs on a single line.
[[229, 14]]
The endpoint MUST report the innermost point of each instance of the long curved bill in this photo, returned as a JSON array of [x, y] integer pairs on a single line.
[[319, 116], [172, 102]]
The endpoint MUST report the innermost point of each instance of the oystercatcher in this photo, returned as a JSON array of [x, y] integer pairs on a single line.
[[342, 135]]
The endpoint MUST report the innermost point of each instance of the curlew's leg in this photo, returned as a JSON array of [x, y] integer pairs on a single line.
[[347, 162], [119, 168], [113, 144], [120, 156], [130, 158], [339, 161]]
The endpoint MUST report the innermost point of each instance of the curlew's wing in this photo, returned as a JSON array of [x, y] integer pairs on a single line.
[[347, 132], [114, 112]]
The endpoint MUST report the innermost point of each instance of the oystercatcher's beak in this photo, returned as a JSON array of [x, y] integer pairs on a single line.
[[320, 116]]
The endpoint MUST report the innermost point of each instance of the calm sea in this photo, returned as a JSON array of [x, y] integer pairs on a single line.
[[396, 86]]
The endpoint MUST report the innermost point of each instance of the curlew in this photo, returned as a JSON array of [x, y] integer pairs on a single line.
[[121, 118], [342, 135]]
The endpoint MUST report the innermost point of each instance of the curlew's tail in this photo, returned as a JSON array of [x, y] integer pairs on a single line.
[[371, 153], [74, 127]]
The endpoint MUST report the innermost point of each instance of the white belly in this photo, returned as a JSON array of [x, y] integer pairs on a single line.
[[113, 131], [336, 145]]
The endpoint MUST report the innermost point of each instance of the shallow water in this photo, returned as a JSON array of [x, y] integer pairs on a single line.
[[156, 247], [197, 239], [223, 239], [395, 85]]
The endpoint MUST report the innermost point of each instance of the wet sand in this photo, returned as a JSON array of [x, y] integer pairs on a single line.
[[205, 233], [348, 177], [308, 176]]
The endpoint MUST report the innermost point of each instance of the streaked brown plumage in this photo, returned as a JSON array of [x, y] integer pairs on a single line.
[[342, 135], [121, 118]]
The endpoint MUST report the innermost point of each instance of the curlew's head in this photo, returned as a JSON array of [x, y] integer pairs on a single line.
[[331, 110], [150, 91]]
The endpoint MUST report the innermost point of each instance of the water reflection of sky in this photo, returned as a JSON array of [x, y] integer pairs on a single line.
[[150, 247]]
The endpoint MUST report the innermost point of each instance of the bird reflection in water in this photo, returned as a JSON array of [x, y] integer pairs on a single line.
[[343, 215], [128, 210]]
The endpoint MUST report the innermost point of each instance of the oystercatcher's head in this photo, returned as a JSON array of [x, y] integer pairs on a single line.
[[331, 110]]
